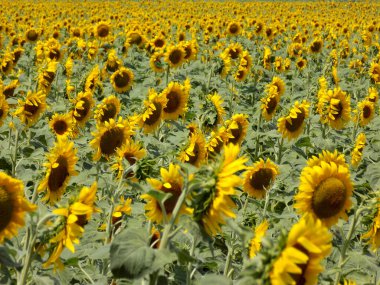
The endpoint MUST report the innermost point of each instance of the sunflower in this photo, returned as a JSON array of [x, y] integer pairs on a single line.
[[357, 152], [301, 63], [4, 108], [177, 96], [61, 124], [92, 80], [110, 136], [156, 63], [131, 152], [60, 167], [277, 85], [213, 204], [83, 104], [267, 58], [172, 182], [190, 48], [334, 108], [7, 63], [113, 63], [237, 126], [122, 80], [217, 140], [175, 55], [9, 90], [255, 243], [374, 72], [136, 38], [291, 126], [323, 87], [269, 105], [373, 234], [122, 208], [152, 115], [195, 151], [158, 43], [233, 28], [217, 101], [325, 191], [373, 95], [31, 35], [327, 156], [308, 243], [259, 178], [316, 46], [30, 110], [102, 29], [13, 206], [365, 112], [241, 74], [69, 64], [233, 51], [46, 75], [108, 109]]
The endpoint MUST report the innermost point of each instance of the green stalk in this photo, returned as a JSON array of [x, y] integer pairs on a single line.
[[279, 157], [167, 75], [258, 136], [14, 154]]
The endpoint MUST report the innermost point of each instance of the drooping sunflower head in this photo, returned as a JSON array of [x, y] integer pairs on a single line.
[[279, 85], [82, 104], [46, 75], [136, 38], [6, 65], [108, 109], [291, 126], [153, 113], [233, 51], [113, 62], [61, 124], [110, 136], [175, 55], [374, 72], [308, 243], [334, 108], [365, 112], [241, 74], [130, 152], [195, 150], [13, 206], [156, 63], [267, 58], [357, 152], [255, 243], [259, 178], [216, 141], [122, 80], [30, 110], [92, 80], [177, 96], [4, 108], [171, 182], [373, 233], [237, 126], [60, 167], [213, 111], [102, 30], [325, 192]]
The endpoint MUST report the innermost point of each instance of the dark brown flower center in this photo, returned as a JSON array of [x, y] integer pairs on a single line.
[[135, 39], [329, 198], [112, 66], [83, 112], [271, 105], [236, 133], [174, 100], [58, 175], [261, 179], [6, 208], [49, 76], [366, 112], [32, 35], [9, 91], [295, 123], [54, 54], [300, 278], [7, 67], [159, 43], [234, 28], [193, 158], [188, 51], [1, 113], [108, 113], [130, 157], [103, 30], [60, 127], [339, 111], [175, 56], [121, 79], [155, 116], [30, 110], [170, 203], [234, 54], [111, 140], [316, 46]]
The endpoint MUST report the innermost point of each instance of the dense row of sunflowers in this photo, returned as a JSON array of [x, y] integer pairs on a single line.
[[240, 143]]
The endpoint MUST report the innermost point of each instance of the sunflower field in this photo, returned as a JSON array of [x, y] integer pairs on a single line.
[[189, 142]]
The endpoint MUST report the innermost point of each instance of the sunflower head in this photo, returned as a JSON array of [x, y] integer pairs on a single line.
[[82, 104], [255, 244], [269, 105], [102, 30], [61, 124], [4, 108], [31, 109], [237, 126], [108, 109], [122, 80], [291, 126], [153, 113], [365, 112], [195, 151], [316, 46], [9, 89], [234, 28], [374, 72], [357, 152], [13, 206], [175, 56], [156, 63], [31, 35], [177, 96]]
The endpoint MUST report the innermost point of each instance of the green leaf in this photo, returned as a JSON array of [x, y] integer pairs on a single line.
[[132, 258], [214, 279]]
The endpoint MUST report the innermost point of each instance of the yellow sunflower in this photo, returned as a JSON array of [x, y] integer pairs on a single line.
[[327, 156], [61, 124], [131, 152], [357, 152], [4, 108], [135, 38], [325, 192], [13, 206], [279, 85], [152, 115], [373, 95], [83, 104], [292, 125], [308, 243], [30, 110], [365, 112], [172, 182], [267, 61], [190, 48], [156, 63], [9, 90], [177, 96], [31, 35], [373, 234], [259, 178], [316, 45], [237, 126], [92, 80], [212, 216], [175, 55], [233, 51], [195, 151], [122, 80], [374, 72], [60, 167], [255, 244], [216, 141], [102, 29], [108, 109], [301, 63], [122, 208], [110, 136], [7, 63], [46, 75], [269, 105], [334, 108], [233, 28]]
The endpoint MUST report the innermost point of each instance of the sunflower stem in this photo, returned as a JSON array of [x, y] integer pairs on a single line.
[[209, 79], [167, 75], [192, 250], [266, 204], [229, 259], [14, 154], [258, 136], [245, 205], [279, 157]]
